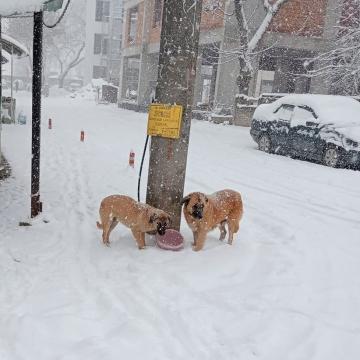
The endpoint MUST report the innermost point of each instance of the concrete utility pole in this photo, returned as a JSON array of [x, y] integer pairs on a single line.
[[176, 77]]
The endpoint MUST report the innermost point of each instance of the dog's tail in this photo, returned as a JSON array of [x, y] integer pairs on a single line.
[[99, 226]]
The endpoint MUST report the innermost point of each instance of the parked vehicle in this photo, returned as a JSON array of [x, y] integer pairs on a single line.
[[323, 128]]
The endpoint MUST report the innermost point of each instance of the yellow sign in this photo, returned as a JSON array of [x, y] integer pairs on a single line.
[[165, 120]]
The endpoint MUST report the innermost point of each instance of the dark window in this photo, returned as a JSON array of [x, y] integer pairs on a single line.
[[158, 6], [99, 72], [98, 11], [105, 46], [267, 63], [290, 84], [211, 5], [97, 43], [132, 78], [102, 12], [106, 9], [133, 19]]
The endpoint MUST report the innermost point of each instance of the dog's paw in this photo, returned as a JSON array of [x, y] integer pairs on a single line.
[[196, 248]]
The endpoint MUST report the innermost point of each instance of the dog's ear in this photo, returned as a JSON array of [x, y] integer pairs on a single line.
[[153, 217], [185, 200]]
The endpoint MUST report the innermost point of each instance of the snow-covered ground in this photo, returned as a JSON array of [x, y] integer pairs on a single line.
[[288, 288]]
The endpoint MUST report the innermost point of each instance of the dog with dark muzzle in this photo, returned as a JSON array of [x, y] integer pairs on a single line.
[[204, 213], [140, 218]]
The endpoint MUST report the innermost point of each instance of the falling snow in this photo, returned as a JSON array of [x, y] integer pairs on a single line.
[[287, 287]]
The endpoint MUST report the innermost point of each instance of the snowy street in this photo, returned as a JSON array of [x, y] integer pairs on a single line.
[[287, 289]]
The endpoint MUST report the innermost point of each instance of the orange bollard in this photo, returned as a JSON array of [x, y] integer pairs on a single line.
[[50, 124], [82, 135], [132, 159]]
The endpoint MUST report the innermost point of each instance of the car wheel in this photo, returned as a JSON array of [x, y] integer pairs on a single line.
[[331, 156], [265, 143]]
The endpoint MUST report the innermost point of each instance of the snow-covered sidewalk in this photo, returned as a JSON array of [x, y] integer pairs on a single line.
[[287, 289]]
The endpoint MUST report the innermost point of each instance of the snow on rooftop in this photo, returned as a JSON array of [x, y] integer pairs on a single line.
[[6, 55], [18, 48], [8, 7]]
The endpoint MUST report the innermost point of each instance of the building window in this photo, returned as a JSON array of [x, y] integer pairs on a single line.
[[158, 6], [266, 86], [116, 48], [99, 72], [101, 44], [105, 46], [132, 29], [97, 43], [267, 63], [206, 91], [132, 78], [102, 12], [265, 81], [117, 10], [211, 5]]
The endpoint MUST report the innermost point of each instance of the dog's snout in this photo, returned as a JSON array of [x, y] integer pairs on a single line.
[[197, 212], [161, 228]]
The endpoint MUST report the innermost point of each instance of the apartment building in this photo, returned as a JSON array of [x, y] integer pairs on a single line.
[[103, 40], [300, 30]]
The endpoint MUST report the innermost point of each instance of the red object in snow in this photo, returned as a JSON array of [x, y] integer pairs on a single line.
[[50, 124], [82, 135], [172, 240], [132, 159]]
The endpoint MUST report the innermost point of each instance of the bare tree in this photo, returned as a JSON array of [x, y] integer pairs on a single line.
[[63, 45], [247, 45], [340, 66]]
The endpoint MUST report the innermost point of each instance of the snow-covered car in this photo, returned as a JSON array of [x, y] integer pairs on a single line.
[[324, 128]]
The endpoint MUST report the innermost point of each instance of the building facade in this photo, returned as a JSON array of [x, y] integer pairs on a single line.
[[103, 40], [299, 31]]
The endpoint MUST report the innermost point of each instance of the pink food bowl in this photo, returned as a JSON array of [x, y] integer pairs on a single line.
[[172, 240]]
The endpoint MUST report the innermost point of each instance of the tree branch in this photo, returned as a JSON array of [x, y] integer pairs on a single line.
[[271, 11]]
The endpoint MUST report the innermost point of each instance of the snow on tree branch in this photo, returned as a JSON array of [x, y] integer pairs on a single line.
[[246, 46], [340, 65], [271, 11]]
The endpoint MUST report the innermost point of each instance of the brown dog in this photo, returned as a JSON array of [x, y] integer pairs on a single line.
[[140, 218], [204, 213]]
